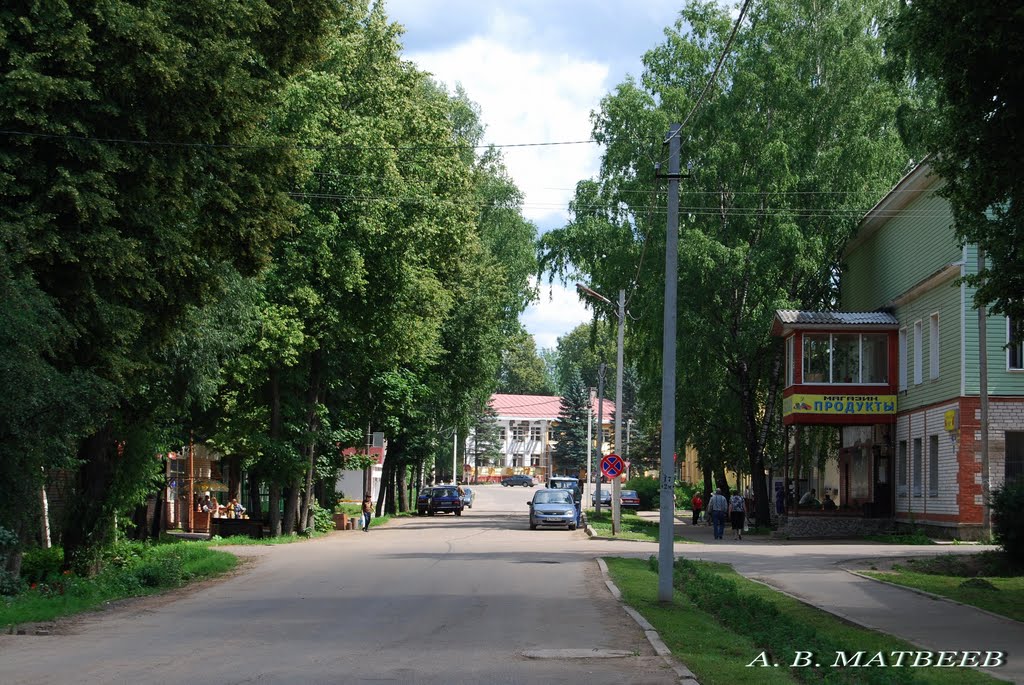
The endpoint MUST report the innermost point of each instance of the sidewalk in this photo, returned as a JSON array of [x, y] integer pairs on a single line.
[[818, 575]]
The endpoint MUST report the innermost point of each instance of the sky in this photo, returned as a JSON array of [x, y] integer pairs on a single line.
[[537, 68]]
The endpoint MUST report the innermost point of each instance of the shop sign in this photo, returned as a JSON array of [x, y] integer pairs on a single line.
[[839, 405]]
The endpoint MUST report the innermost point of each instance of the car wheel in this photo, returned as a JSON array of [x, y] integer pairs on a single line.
[[431, 513], [458, 512], [421, 512], [533, 526], [572, 526]]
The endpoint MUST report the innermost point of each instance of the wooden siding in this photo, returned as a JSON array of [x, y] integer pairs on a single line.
[[911, 247], [944, 300], [1001, 381]]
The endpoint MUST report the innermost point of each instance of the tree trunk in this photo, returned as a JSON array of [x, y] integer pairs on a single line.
[[88, 527], [255, 505], [312, 399], [403, 503], [721, 482], [275, 509], [45, 516], [291, 507]]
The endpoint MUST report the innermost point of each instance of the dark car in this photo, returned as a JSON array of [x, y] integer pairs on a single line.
[[444, 498], [606, 496], [509, 481], [628, 499], [422, 499]]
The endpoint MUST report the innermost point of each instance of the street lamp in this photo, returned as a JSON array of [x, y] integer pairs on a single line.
[[621, 314]]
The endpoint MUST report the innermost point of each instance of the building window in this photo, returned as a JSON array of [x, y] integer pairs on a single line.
[[903, 359], [535, 433], [933, 346], [790, 361], [901, 470], [817, 358], [846, 358], [501, 434], [1014, 347], [519, 433], [874, 358], [1014, 466], [918, 467], [918, 345], [933, 466]]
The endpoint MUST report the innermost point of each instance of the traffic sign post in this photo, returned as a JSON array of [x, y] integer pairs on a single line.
[[612, 466]]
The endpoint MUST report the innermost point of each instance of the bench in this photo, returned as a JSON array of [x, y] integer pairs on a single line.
[[228, 527]]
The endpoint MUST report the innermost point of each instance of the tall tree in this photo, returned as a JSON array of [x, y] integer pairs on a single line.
[[123, 208], [522, 371], [795, 141], [570, 454], [969, 57]]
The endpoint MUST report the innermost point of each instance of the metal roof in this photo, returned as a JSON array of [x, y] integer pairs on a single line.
[[788, 319]]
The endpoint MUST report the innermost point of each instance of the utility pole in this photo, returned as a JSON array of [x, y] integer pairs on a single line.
[[617, 481], [666, 553], [986, 517], [600, 434], [590, 440]]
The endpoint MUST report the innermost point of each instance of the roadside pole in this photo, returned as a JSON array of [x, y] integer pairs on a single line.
[[600, 435], [590, 440], [617, 481], [666, 553]]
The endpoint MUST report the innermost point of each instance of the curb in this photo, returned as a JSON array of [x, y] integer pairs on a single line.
[[686, 676]]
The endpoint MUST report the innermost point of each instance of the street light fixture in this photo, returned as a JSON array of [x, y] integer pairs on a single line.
[[621, 315]]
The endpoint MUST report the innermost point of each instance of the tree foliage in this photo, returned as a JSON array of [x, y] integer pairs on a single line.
[[966, 58], [570, 454], [796, 140]]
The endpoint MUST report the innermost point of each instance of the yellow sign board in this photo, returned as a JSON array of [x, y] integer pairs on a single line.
[[839, 405], [952, 420]]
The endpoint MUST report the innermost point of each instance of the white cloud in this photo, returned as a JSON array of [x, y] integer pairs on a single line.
[[528, 96], [557, 311]]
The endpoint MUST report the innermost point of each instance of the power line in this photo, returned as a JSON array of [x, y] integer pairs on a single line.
[[287, 145], [714, 74]]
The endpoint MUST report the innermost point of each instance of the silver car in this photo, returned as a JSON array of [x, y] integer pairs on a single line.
[[552, 507]]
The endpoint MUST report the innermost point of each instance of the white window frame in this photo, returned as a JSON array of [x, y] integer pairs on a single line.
[[918, 347], [1020, 350], [933, 465], [902, 466], [790, 360], [933, 346], [917, 466], [903, 359]]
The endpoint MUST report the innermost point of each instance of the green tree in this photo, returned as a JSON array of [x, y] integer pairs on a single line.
[[486, 439], [522, 371], [796, 140], [969, 59], [582, 351], [570, 454], [122, 237]]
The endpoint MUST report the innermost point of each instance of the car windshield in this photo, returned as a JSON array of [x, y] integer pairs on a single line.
[[553, 498]]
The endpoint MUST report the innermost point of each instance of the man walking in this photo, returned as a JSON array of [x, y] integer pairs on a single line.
[[367, 512], [717, 507]]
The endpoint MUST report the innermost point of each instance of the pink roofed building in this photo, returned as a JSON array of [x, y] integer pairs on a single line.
[[526, 437]]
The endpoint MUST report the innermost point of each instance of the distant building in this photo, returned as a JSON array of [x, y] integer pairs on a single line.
[[526, 435]]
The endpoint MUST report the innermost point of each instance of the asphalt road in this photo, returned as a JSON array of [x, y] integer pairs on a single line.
[[422, 600]]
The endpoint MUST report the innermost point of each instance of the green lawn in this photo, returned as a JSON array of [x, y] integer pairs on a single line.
[[718, 650], [633, 527], [987, 580]]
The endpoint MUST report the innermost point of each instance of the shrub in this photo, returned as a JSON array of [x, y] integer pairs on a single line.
[[647, 489], [41, 564], [9, 583], [1007, 506], [323, 520]]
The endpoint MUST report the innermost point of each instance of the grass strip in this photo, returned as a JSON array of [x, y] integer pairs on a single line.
[[720, 622], [633, 527], [1003, 596], [136, 570]]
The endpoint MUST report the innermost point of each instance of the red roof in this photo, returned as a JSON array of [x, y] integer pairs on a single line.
[[538, 406]]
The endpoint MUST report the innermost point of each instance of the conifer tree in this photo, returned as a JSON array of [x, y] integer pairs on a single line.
[[570, 455]]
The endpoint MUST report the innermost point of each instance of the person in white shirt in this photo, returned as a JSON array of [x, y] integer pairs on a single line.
[[718, 507]]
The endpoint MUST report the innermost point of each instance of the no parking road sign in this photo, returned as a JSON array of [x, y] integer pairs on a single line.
[[612, 465]]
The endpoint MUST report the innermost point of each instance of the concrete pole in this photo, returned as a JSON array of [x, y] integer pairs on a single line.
[[590, 442], [986, 518], [617, 481], [455, 456], [666, 553], [600, 434]]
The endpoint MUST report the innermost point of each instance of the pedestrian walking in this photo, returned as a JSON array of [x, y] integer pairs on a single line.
[[736, 515], [697, 504], [717, 507], [367, 512]]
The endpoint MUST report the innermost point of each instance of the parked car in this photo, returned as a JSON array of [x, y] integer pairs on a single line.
[[422, 499], [444, 498], [628, 499], [606, 496], [509, 481], [552, 507], [467, 497]]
